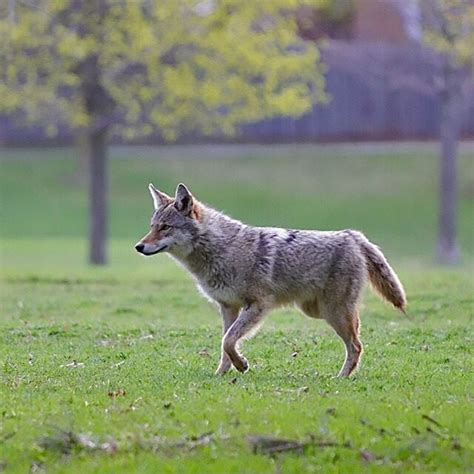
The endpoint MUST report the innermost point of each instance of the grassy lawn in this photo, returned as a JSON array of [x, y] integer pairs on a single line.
[[111, 369]]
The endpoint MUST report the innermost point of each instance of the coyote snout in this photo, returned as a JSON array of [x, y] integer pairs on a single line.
[[147, 249], [140, 248], [248, 271]]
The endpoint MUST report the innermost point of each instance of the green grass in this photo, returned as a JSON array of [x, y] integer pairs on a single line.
[[145, 344]]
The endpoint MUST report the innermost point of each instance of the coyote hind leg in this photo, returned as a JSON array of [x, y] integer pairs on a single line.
[[347, 324]]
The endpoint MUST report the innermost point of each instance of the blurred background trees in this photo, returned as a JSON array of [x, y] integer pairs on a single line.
[[449, 30], [129, 68], [116, 71]]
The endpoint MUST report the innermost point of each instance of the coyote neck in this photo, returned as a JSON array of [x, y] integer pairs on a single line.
[[207, 261]]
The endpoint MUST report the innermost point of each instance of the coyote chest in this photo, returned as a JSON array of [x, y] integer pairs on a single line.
[[222, 294], [218, 281], [220, 286]]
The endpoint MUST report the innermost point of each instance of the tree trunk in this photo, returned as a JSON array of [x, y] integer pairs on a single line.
[[448, 250], [97, 196], [82, 146]]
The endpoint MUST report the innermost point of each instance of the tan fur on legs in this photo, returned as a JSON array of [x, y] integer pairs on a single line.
[[229, 315], [248, 320], [347, 327]]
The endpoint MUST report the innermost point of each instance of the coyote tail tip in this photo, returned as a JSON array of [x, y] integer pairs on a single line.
[[383, 278]]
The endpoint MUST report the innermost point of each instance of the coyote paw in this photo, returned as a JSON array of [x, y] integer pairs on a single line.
[[242, 365]]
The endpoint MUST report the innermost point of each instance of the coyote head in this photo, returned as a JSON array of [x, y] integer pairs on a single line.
[[174, 223]]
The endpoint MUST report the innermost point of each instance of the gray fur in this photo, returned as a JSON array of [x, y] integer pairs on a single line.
[[249, 271]]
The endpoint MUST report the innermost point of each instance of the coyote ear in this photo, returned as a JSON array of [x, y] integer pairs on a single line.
[[183, 200], [159, 198]]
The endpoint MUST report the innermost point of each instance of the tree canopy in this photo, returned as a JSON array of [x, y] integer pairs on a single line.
[[449, 28], [134, 67], [141, 66]]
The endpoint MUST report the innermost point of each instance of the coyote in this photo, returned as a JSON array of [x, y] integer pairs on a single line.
[[249, 271]]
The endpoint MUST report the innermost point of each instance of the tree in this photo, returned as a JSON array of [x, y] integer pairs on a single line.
[[131, 67], [449, 30]]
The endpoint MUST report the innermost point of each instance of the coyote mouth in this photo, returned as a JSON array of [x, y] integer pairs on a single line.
[[156, 251]]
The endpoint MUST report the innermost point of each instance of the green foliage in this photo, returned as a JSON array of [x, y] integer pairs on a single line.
[[449, 28], [170, 66]]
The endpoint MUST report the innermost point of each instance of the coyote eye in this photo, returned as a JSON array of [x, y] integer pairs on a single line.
[[165, 227]]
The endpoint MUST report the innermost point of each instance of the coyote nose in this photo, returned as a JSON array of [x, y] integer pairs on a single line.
[[139, 247]]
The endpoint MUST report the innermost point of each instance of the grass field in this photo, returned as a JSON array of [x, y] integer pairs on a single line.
[[111, 369]]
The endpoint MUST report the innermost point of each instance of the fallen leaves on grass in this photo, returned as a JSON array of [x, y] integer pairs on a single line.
[[66, 441], [298, 391], [442, 433], [36, 466], [431, 420], [73, 365], [301, 390], [270, 445], [120, 408], [124, 340], [170, 447], [117, 393], [367, 456], [193, 442], [134, 405]]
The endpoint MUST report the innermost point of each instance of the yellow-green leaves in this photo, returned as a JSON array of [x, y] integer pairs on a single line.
[[450, 29], [203, 65]]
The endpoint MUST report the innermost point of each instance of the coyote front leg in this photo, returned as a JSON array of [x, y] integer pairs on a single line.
[[229, 315], [248, 319]]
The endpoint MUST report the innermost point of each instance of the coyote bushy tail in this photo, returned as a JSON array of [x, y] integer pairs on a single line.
[[382, 276]]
